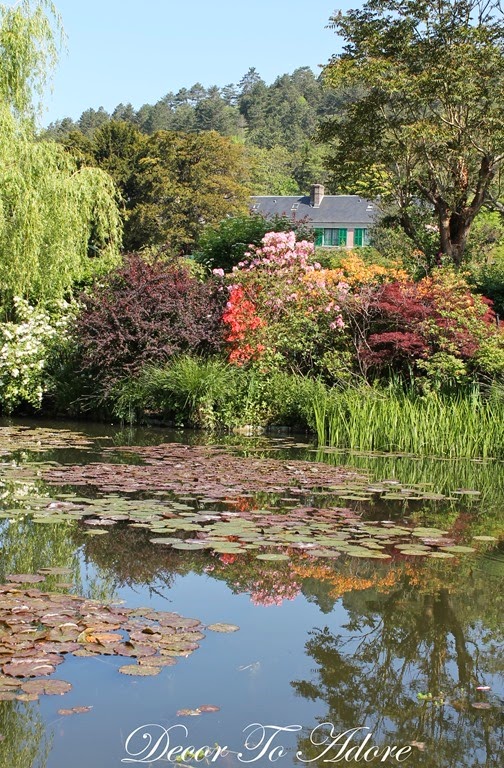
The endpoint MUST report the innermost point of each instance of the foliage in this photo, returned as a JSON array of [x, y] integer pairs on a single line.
[[225, 245], [437, 320], [144, 313], [54, 219], [422, 119], [282, 308], [180, 183], [212, 394], [25, 346], [52, 216], [392, 420], [488, 279], [30, 35]]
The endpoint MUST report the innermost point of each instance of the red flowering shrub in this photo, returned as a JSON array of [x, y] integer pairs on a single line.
[[282, 309], [407, 323], [143, 313]]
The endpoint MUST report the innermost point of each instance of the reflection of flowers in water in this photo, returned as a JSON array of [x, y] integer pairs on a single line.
[[267, 584], [264, 593], [347, 581]]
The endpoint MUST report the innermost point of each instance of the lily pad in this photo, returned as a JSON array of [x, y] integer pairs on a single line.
[[140, 670], [220, 627], [48, 687]]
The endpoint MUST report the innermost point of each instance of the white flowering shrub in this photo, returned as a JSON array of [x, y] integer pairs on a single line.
[[25, 345]]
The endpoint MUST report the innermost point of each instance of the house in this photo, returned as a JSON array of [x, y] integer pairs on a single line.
[[338, 220]]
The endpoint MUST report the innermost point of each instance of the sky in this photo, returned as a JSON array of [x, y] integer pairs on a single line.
[[127, 51]]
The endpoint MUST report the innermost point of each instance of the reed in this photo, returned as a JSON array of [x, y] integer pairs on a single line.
[[467, 425]]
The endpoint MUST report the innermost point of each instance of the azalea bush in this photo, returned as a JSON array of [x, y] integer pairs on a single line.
[[283, 310], [26, 344]]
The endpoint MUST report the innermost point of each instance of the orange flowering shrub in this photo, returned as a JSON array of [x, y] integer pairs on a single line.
[[282, 309]]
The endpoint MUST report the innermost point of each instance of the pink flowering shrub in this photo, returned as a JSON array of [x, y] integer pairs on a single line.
[[283, 309]]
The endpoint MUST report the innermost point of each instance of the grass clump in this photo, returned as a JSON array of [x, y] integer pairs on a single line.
[[465, 425]]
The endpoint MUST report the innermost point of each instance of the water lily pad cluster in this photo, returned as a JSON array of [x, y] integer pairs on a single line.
[[193, 490], [185, 469], [37, 630], [39, 439]]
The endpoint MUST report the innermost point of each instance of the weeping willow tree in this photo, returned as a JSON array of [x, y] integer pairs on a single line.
[[58, 223]]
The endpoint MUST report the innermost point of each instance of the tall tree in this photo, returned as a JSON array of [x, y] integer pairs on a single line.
[[422, 118], [53, 215], [181, 183]]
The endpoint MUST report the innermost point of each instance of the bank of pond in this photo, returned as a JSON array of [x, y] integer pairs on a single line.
[[175, 588]]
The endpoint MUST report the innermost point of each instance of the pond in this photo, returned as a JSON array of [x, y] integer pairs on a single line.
[[274, 602]]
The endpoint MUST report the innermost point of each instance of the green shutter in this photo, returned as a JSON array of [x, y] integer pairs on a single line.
[[319, 237], [360, 237], [342, 236]]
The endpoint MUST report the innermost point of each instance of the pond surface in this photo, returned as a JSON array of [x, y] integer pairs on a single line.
[[369, 601]]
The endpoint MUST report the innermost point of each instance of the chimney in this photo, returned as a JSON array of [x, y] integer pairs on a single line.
[[316, 195]]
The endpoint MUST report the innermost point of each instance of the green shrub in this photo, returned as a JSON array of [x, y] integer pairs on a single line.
[[211, 394]]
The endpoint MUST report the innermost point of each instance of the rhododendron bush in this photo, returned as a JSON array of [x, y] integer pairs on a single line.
[[282, 308]]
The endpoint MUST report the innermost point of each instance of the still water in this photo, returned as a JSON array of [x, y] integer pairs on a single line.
[[332, 652]]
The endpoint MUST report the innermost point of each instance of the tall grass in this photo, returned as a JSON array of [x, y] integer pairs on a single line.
[[367, 419], [212, 394]]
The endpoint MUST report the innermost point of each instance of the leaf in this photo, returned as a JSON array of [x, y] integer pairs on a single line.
[[27, 668], [49, 687], [481, 705], [74, 711], [188, 712], [140, 670], [208, 708], [219, 627], [24, 578]]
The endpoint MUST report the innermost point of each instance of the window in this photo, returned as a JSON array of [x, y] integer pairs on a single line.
[[361, 237], [335, 237], [319, 237]]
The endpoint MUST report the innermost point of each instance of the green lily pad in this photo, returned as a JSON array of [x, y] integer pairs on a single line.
[[225, 628]]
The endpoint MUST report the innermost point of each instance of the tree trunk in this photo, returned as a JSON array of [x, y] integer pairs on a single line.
[[453, 229]]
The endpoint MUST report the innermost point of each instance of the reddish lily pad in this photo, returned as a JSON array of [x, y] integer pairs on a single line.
[[49, 687]]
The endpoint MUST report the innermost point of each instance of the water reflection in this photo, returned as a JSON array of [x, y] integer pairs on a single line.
[[377, 633], [440, 643], [25, 742]]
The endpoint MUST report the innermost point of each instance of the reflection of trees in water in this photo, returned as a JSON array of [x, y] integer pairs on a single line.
[[26, 743], [408, 642], [126, 557], [26, 546]]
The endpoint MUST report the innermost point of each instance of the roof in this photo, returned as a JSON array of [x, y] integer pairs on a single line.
[[333, 209]]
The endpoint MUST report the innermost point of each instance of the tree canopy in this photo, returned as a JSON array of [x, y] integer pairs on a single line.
[[53, 215], [422, 117]]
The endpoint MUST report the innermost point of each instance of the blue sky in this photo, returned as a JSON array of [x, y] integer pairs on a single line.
[[124, 50]]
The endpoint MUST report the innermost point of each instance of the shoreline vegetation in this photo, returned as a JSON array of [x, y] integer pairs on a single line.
[[221, 319]]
